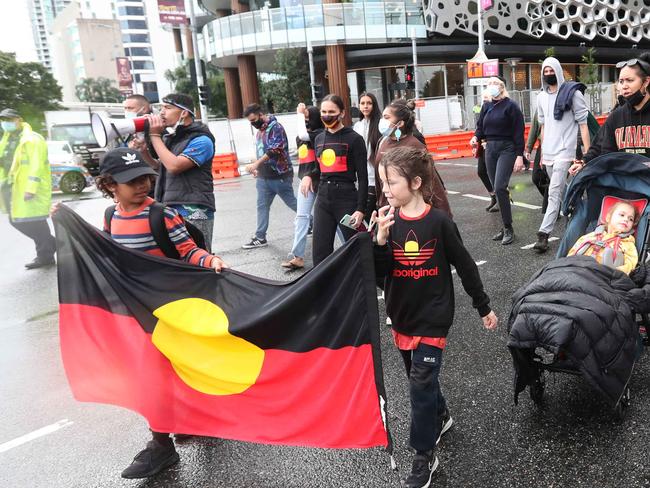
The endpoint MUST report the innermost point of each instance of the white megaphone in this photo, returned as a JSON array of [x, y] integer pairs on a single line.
[[106, 129]]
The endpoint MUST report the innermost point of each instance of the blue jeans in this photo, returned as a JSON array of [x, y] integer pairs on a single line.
[[301, 228], [427, 402], [267, 189]]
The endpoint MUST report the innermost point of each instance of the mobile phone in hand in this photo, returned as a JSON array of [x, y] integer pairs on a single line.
[[346, 222]]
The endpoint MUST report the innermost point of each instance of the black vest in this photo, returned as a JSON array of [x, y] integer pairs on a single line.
[[191, 187]]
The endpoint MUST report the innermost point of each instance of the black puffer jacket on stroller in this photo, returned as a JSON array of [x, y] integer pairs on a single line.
[[584, 310]]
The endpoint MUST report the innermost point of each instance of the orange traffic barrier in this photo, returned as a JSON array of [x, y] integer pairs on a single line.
[[225, 166]]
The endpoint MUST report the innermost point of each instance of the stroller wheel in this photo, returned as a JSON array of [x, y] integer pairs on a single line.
[[536, 389], [623, 404]]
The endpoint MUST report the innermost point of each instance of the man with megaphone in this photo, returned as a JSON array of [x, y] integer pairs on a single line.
[[184, 149]]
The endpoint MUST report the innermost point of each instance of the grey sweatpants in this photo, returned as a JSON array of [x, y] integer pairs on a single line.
[[559, 173]]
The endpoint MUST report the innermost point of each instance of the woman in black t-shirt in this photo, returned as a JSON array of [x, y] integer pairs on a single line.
[[342, 161]]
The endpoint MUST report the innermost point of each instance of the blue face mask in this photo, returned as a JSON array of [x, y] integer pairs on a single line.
[[8, 126], [493, 91]]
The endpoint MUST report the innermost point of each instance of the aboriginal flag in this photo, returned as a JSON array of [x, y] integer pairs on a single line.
[[225, 355], [333, 157]]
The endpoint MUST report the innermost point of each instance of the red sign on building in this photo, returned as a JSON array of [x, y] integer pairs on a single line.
[[124, 76], [172, 12]]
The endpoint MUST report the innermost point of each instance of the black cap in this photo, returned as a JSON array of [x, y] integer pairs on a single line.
[[124, 164], [9, 113]]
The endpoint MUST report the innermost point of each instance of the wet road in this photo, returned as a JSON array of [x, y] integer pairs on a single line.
[[49, 440]]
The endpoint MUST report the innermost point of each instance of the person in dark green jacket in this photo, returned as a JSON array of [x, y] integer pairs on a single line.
[[26, 184]]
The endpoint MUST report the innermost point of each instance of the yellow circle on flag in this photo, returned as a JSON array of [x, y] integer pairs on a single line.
[[193, 334], [303, 151], [328, 157]]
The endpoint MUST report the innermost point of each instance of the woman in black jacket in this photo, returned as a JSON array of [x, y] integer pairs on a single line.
[[342, 162], [501, 124], [627, 128]]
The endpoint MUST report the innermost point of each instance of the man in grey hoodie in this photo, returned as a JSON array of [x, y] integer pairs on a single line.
[[561, 110]]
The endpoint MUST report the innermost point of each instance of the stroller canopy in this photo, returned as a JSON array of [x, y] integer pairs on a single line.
[[618, 174]]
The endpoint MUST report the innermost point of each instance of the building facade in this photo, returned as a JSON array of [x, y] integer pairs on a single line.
[[366, 45], [42, 14]]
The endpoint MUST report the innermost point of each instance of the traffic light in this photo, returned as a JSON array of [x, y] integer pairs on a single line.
[[409, 77], [318, 91], [203, 95]]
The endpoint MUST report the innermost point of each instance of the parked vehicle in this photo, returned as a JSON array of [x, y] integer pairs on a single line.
[[68, 173], [73, 127]]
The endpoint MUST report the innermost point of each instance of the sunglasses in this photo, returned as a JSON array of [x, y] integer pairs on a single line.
[[631, 62]]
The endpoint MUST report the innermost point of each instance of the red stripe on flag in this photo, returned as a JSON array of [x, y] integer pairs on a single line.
[[321, 398]]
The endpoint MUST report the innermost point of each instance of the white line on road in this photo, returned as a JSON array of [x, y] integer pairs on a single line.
[[530, 246], [478, 263], [451, 192], [488, 199], [445, 163], [35, 435]]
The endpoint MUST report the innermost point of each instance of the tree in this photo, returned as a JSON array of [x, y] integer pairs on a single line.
[[182, 82], [28, 88], [99, 90], [291, 85], [589, 73]]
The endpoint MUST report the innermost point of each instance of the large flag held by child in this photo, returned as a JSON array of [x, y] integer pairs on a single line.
[[225, 355]]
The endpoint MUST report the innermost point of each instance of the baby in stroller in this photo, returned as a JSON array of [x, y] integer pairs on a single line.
[[575, 315], [613, 243]]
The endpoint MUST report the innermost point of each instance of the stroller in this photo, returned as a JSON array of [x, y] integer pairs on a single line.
[[579, 317]]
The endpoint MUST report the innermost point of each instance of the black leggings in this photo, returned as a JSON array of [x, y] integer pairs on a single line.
[[334, 200], [482, 173]]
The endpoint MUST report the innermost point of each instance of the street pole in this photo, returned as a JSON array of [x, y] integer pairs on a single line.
[[310, 52], [197, 61], [414, 48], [481, 40]]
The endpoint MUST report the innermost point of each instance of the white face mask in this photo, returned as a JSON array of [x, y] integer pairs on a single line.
[[385, 128], [494, 91], [131, 115], [172, 130]]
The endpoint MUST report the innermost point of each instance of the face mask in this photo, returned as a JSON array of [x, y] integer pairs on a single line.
[[550, 79], [257, 123], [634, 99], [8, 126], [493, 91], [172, 130], [330, 120], [131, 115], [385, 128]]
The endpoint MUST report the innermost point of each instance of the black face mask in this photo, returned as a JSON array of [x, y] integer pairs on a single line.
[[634, 99], [550, 79], [621, 100], [257, 123], [330, 120]]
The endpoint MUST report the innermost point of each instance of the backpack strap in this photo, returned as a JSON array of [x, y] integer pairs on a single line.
[[160, 232], [108, 217]]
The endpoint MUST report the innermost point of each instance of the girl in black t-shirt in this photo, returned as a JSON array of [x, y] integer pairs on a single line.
[[342, 159]]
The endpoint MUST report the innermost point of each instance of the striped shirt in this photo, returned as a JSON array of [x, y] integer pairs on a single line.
[[132, 230]]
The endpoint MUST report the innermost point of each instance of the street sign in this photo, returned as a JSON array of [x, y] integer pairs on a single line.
[[486, 4], [477, 81], [419, 104], [485, 69], [491, 68], [124, 76]]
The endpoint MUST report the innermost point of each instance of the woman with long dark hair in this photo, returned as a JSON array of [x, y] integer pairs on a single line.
[[397, 128], [367, 127], [342, 161], [309, 126]]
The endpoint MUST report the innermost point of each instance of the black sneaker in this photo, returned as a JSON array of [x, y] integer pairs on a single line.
[[498, 236], [40, 263], [423, 467], [445, 424], [152, 460], [541, 246], [255, 242]]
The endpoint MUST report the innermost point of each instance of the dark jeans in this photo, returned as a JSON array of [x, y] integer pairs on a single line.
[[540, 178], [427, 403], [39, 232], [499, 160], [333, 201], [482, 173]]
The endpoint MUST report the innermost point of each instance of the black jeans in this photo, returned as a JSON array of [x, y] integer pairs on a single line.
[[500, 160], [334, 200], [39, 232], [427, 402], [540, 178], [482, 173]]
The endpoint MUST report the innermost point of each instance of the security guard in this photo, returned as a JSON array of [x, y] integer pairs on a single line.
[[26, 184]]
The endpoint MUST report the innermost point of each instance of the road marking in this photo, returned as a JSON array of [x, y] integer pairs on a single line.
[[488, 199], [478, 263], [445, 163], [530, 246], [35, 435], [451, 192]]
